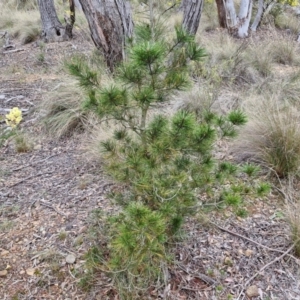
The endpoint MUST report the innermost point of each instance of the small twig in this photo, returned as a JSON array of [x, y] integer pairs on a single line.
[[30, 208], [169, 8], [12, 98], [29, 102], [30, 177], [35, 163], [247, 239], [51, 206], [200, 276], [267, 265], [13, 51]]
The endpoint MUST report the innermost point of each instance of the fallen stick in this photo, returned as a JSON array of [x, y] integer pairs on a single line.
[[13, 51], [35, 163], [265, 266], [51, 206], [201, 276], [30, 177], [247, 239]]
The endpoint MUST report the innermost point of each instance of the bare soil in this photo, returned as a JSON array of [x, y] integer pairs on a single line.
[[47, 196]]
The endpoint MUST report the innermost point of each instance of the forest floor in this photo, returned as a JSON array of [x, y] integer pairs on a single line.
[[48, 196]]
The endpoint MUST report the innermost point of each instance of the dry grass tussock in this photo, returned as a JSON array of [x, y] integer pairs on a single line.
[[285, 85], [292, 211], [272, 135], [258, 57], [284, 50], [20, 4], [288, 21], [209, 18], [63, 111], [20, 23]]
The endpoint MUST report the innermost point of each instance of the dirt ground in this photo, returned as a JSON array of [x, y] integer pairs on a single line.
[[47, 196]]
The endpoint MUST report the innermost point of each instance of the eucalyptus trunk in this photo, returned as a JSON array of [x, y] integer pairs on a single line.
[[53, 30], [110, 22], [238, 25], [244, 18], [259, 15], [264, 7]]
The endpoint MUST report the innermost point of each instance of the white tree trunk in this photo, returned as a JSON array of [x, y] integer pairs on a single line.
[[231, 17], [259, 15], [238, 25], [244, 18]]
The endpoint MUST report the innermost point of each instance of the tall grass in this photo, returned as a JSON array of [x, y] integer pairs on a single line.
[[20, 24], [62, 110], [272, 135]]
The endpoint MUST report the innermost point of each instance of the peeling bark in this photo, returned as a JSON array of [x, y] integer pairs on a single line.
[[238, 25], [244, 18], [110, 22]]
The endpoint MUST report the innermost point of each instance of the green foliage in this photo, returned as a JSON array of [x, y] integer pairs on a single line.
[[163, 162], [250, 169], [153, 71], [137, 246], [5, 134]]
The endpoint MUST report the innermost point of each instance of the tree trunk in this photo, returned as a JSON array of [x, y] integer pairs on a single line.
[[238, 25], [77, 4], [110, 22], [231, 18], [263, 9], [221, 13], [244, 18], [259, 15], [53, 30], [192, 10]]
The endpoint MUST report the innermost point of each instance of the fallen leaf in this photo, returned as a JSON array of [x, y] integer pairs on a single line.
[[70, 259], [3, 273], [228, 261], [252, 291], [30, 271], [248, 252], [4, 252]]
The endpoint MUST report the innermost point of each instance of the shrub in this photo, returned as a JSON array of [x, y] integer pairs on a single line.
[[162, 162]]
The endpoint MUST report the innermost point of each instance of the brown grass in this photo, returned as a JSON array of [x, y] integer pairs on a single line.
[[293, 218], [272, 135]]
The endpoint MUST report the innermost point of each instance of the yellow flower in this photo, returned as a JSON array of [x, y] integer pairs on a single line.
[[14, 117]]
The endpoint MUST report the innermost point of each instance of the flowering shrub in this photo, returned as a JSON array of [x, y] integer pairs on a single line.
[[14, 117]]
